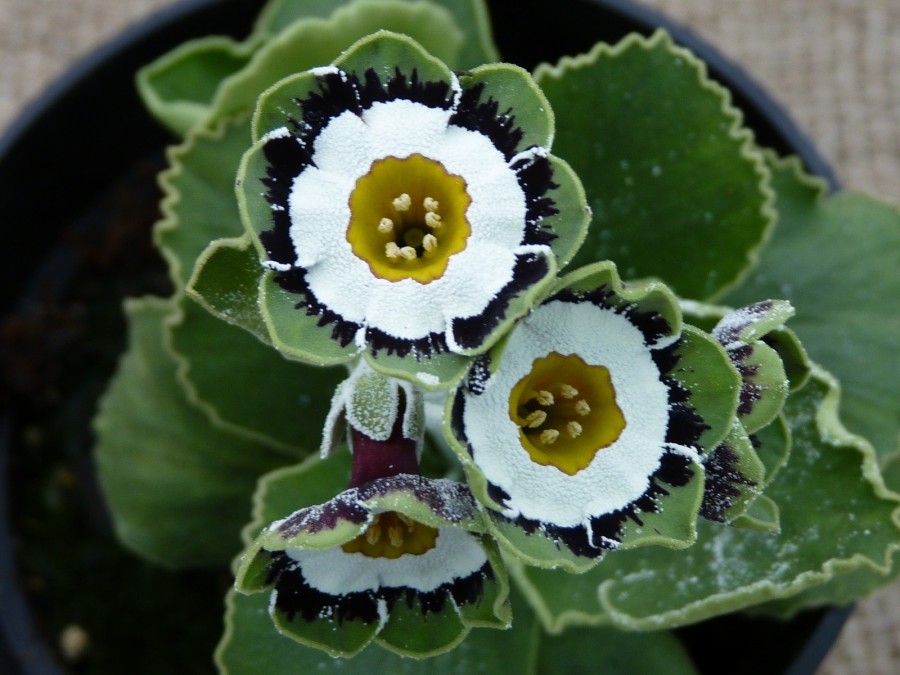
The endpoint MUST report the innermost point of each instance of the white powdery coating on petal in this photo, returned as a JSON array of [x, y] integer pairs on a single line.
[[471, 280], [456, 555], [319, 210], [344, 146], [619, 473], [320, 215]]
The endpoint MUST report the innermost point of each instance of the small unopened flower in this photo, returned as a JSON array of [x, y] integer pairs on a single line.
[[405, 210], [584, 420]]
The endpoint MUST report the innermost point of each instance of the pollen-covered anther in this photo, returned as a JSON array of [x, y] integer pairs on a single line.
[[568, 391], [433, 220], [535, 419], [549, 436], [429, 242], [574, 429], [373, 534], [545, 398], [582, 408], [408, 253], [386, 226], [391, 250], [403, 202], [395, 534], [430, 204]]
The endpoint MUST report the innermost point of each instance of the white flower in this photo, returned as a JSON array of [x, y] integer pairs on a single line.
[[581, 424], [406, 216]]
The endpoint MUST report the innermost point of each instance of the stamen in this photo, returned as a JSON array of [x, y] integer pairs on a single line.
[[408, 252], [433, 220], [568, 391], [582, 407], [391, 250], [535, 419], [395, 534], [549, 436], [386, 226], [429, 242], [373, 533], [430, 204], [574, 429], [403, 202], [545, 398], [406, 520]]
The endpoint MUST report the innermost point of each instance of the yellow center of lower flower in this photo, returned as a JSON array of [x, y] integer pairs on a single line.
[[391, 535], [566, 412], [407, 217]]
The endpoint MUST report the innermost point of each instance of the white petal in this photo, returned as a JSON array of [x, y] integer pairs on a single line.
[[400, 128], [408, 310], [456, 555], [320, 214], [344, 146]]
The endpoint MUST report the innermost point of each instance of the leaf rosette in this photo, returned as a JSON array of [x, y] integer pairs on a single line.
[[403, 212]]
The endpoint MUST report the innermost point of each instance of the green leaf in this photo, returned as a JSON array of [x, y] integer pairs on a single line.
[[178, 87], [570, 225], [890, 468], [439, 371], [607, 650], [773, 446], [384, 52], [468, 16], [277, 15], [836, 259], [706, 371], [206, 80], [296, 333], [763, 515], [285, 490], [315, 42], [836, 518], [199, 203], [287, 402], [178, 487], [226, 283], [514, 90], [251, 647], [735, 476], [676, 187]]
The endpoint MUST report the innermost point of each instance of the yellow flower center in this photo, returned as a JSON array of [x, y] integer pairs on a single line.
[[391, 535], [407, 217], [566, 412]]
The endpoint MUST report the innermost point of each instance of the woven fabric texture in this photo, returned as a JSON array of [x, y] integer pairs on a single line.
[[834, 64]]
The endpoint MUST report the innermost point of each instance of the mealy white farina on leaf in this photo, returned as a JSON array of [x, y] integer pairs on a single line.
[[404, 211], [587, 420]]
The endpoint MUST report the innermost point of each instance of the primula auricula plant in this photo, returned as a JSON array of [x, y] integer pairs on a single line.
[[447, 358]]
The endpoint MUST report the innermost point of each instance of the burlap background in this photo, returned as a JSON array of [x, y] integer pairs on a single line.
[[834, 64]]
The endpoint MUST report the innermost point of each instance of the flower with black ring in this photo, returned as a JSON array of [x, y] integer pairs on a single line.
[[377, 559], [580, 428], [405, 212]]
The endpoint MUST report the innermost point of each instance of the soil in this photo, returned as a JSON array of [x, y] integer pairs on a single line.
[[101, 607]]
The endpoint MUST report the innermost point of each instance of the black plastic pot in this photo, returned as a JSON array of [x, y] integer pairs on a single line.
[[52, 183]]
